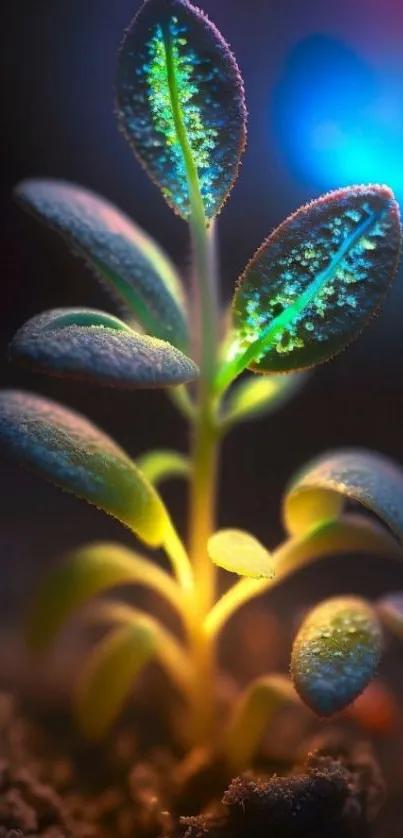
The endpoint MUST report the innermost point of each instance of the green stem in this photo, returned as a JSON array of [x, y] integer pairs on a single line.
[[205, 439]]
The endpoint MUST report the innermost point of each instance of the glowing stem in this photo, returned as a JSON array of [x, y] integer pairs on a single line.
[[204, 460], [179, 559]]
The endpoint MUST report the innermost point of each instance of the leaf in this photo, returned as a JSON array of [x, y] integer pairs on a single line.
[[181, 103], [252, 714], [92, 345], [336, 654], [158, 466], [74, 454], [315, 282], [390, 610], [239, 552], [169, 651], [130, 263], [109, 673], [259, 396], [349, 535], [83, 575], [319, 491]]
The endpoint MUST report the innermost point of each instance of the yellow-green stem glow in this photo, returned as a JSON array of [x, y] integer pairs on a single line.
[[205, 440]]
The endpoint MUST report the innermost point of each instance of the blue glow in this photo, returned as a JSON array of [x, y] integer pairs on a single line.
[[338, 119]]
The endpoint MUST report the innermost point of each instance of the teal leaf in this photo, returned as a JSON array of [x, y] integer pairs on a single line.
[[315, 282], [131, 265], [318, 493], [71, 452], [336, 654], [89, 344], [181, 103]]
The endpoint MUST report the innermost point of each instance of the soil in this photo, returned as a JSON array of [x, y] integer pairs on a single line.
[[55, 785]]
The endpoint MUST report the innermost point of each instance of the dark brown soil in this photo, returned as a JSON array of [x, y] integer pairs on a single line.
[[54, 784]]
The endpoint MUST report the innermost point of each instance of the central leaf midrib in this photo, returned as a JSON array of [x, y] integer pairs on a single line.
[[285, 318], [178, 117]]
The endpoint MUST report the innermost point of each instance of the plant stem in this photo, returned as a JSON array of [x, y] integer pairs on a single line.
[[205, 439]]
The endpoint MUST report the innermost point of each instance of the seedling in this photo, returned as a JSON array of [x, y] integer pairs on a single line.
[[309, 290]]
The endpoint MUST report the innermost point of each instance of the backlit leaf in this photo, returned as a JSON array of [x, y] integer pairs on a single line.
[[336, 654], [158, 466], [83, 575], [252, 713], [259, 396], [109, 673], [349, 535], [181, 103], [130, 263], [319, 491], [316, 280], [71, 452], [240, 552], [88, 344]]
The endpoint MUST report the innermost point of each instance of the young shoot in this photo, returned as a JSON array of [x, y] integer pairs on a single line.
[[312, 286]]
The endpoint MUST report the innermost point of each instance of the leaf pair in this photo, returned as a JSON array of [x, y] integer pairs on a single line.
[[337, 649]]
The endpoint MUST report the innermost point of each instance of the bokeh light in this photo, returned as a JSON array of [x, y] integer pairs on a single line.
[[339, 118]]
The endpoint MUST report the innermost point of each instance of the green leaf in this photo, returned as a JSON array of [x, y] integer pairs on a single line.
[[71, 452], [257, 396], [349, 535], [390, 611], [181, 103], [84, 574], [319, 491], [109, 673], [315, 282], [158, 466], [336, 654], [133, 267], [169, 652], [240, 552], [252, 713], [88, 344]]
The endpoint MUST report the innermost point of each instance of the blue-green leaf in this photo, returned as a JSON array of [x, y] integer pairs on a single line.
[[318, 492], [71, 452], [181, 103], [133, 267], [336, 654], [88, 344], [315, 281]]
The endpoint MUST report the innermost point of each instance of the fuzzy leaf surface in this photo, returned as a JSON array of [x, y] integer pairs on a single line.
[[181, 103], [95, 346], [336, 654], [130, 264], [319, 491], [71, 452], [316, 280]]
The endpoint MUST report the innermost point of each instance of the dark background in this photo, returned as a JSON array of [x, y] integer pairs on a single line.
[[341, 61]]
